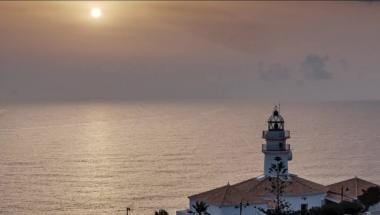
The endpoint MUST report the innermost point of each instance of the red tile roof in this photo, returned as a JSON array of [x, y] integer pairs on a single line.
[[295, 186], [225, 196], [352, 188], [256, 191]]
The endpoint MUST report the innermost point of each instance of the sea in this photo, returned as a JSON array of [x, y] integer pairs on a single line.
[[102, 157]]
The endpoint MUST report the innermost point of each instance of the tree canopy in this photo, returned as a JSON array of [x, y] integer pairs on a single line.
[[161, 212], [200, 208], [370, 197]]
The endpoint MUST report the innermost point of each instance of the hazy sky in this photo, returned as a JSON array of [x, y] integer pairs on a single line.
[[55, 51]]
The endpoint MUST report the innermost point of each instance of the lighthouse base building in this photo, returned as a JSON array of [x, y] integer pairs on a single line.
[[256, 194]]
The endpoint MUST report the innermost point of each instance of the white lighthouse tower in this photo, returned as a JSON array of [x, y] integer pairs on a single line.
[[275, 146]]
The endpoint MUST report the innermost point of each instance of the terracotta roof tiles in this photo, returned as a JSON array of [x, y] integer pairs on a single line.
[[225, 196], [256, 191], [352, 188]]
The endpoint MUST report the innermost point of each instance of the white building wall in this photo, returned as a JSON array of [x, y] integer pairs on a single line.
[[311, 201], [183, 212], [248, 210], [212, 209], [216, 210], [294, 201], [374, 208]]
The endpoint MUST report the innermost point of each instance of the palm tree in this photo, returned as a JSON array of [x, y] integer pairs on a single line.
[[200, 208], [161, 212]]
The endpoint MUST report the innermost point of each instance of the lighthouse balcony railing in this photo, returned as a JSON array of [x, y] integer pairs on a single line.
[[275, 148], [276, 135]]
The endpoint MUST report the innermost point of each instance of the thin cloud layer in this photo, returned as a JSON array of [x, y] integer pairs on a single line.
[[314, 67]]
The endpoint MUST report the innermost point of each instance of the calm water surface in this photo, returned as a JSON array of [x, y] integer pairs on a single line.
[[98, 158]]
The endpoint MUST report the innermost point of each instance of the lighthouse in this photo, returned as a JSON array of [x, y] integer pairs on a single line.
[[256, 193], [275, 146]]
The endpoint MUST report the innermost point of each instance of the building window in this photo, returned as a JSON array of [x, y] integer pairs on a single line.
[[303, 208]]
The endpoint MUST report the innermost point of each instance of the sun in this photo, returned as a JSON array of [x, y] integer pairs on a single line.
[[96, 12]]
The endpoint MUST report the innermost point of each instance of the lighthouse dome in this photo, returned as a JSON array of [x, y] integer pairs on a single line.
[[276, 121]]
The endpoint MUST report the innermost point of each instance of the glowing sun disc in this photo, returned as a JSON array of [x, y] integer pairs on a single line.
[[96, 12]]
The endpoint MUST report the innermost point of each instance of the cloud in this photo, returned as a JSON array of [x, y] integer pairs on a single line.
[[314, 67]]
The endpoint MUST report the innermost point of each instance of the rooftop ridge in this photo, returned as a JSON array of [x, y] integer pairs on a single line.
[[250, 179], [307, 185], [225, 193], [260, 182], [356, 179], [209, 191]]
